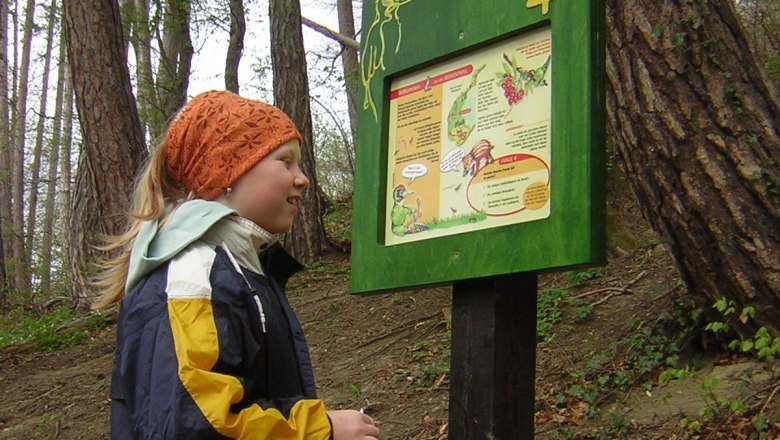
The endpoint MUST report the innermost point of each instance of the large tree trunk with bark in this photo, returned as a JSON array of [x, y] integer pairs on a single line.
[[113, 147], [291, 94], [696, 122]]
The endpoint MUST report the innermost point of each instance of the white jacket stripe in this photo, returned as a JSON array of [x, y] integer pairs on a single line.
[[189, 273]]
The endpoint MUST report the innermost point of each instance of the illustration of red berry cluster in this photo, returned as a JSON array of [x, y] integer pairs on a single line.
[[511, 93]]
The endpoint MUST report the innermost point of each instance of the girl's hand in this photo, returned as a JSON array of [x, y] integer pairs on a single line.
[[352, 425]]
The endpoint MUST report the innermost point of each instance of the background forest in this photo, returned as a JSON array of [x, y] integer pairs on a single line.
[[693, 114]]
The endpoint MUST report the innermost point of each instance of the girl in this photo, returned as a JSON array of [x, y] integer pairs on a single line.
[[207, 345]]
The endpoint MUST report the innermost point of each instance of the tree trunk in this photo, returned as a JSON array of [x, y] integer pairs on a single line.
[[236, 46], [696, 123], [349, 62], [65, 181], [173, 75], [113, 139], [21, 263], [5, 160], [291, 94], [35, 169], [3, 282], [47, 228], [140, 35]]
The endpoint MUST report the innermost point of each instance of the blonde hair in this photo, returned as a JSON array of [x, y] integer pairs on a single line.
[[153, 190]]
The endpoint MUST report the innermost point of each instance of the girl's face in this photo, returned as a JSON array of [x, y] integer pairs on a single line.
[[269, 193]]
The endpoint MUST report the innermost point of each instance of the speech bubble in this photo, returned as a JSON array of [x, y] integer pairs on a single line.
[[414, 170], [452, 160]]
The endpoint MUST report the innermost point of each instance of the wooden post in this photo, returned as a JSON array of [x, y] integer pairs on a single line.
[[493, 358]]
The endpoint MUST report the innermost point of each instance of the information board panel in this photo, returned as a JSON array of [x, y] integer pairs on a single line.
[[480, 140], [469, 142]]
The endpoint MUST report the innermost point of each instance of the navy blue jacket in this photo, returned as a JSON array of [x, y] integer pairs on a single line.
[[209, 350]]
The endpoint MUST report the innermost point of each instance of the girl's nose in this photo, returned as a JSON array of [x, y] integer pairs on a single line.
[[301, 180]]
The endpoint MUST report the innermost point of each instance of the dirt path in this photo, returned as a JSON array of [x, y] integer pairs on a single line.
[[390, 354]]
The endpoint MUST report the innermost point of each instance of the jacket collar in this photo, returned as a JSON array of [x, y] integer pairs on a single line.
[[243, 238], [279, 264]]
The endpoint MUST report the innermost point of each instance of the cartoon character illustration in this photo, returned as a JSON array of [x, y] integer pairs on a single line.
[[402, 217], [479, 157]]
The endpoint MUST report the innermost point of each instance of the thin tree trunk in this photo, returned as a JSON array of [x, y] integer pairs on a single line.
[[13, 89], [236, 45], [3, 282], [291, 94], [173, 75], [47, 229], [5, 161], [696, 123], [113, 138], [21, 263], [35, 169], [62, 233], [141, 39], [349, 62]]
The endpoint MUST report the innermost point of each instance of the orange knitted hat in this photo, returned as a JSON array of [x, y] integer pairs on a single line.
[[218, 136]]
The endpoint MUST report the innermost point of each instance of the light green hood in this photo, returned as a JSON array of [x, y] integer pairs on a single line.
[[185, 225]]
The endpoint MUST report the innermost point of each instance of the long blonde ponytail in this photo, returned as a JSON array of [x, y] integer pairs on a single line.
[[153, 190]]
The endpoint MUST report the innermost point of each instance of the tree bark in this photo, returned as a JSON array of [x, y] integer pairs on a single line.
[[291, 94], [236, 45], [696, 121], [113, 147]]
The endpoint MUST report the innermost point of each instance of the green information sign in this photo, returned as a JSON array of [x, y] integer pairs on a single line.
[[481, 140]]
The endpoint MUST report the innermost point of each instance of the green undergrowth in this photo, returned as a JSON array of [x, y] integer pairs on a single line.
[[748, 415], [44, 331], [558, 310], [338, 220]]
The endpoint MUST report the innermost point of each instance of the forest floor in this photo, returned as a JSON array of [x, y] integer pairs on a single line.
[[609, 340]]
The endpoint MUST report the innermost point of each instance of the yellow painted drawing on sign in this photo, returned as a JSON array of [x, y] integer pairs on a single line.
[[545, 4]]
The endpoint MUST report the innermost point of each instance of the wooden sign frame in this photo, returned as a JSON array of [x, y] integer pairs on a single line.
[[414, 46]]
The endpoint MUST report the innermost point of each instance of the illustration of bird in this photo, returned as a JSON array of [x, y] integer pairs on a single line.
[[402, 217], [531, 78], [537, 75]]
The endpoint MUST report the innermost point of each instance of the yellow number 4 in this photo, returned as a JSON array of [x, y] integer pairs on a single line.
[[544, 3]]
